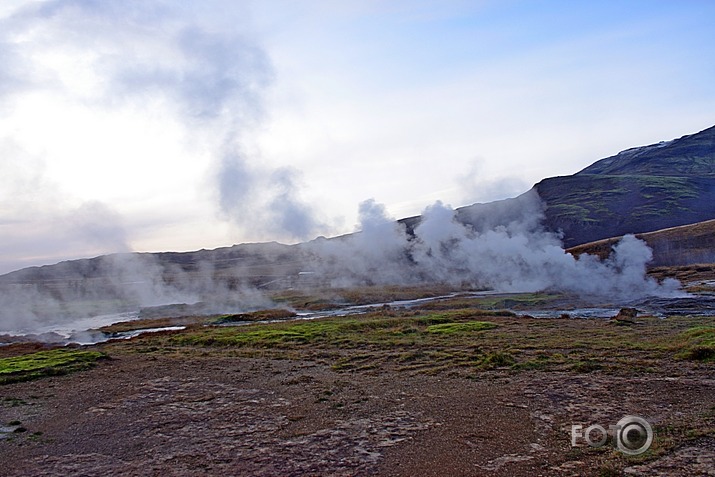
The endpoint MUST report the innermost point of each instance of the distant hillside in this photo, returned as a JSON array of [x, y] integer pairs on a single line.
[[638, 190], [591, 207], [682, 245], [254, 265], [692, 155]]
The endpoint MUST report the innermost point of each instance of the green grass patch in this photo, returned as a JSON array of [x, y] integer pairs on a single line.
[[571, 211], [514, 301], [697, 344], [497, 359], [540, 362], [349, 332], [46, 363], [469, 326], [458, 340], [335, 331], [261, 315], [586, 366]]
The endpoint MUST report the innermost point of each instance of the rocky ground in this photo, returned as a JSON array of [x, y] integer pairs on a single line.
[[383, 394], [138, 415]]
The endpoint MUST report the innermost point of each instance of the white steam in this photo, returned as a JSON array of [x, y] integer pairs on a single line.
[[516, 255], [504, 248], [114, 106], [71, 292]]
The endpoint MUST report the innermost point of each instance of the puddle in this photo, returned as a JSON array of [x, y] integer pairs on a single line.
[[573, 313], [7, 431], [89, 337], [361, 309], [125, 335], [58, 332]]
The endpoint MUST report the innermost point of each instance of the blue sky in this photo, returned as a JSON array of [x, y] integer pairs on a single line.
[[148, 126]]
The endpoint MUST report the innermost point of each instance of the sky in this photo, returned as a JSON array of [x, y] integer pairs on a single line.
[[151, 125]]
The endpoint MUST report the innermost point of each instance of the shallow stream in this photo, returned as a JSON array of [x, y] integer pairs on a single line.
[[84, 331]]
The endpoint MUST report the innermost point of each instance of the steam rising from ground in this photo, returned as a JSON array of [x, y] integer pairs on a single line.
[[509, 252], [141, 58], [113, 284], [504, 248], [82, 80]]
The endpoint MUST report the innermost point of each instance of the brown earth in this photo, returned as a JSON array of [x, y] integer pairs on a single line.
[[674, 246], [208, 411]]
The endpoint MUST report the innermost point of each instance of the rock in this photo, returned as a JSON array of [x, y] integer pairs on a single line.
[[627, 313], [625, 316]]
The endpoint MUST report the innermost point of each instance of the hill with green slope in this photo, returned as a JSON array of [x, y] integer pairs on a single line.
[[638, 190]]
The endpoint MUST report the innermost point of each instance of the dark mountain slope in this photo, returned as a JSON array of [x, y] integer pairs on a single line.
[[692, 155], [638, 190], [592, 207]]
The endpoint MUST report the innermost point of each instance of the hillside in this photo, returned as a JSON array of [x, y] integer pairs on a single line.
[[256, 262], [638, 190], [592, 207], [682, 245]]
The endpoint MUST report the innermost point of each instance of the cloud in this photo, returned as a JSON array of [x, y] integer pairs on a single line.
[[289, 213], [210, 75], [266, 201], [95, 223], [101, 65], [39, 222], [90, 229], [477, 184]]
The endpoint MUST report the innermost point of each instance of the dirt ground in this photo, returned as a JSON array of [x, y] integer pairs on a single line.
[[420, 392], [172, 415]]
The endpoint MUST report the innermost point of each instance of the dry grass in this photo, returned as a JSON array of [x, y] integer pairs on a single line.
[[462, 340]]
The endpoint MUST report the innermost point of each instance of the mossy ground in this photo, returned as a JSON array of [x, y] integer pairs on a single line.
[[46, 363], [141, 324], [462, 334], [447, 336], [697, 343]]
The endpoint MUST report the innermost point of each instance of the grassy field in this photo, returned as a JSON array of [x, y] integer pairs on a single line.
[[462, 334], [461, 340]]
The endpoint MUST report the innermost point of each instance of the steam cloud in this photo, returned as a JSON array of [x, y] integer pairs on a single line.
[[151, 57], [216, 80], [507, 251], [112, 284]]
